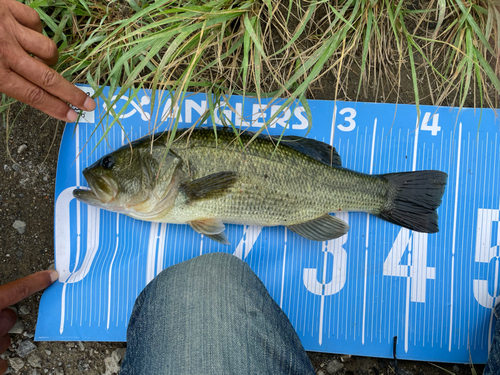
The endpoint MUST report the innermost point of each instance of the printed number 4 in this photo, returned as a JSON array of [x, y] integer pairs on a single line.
[[434, 128], [416, 271]]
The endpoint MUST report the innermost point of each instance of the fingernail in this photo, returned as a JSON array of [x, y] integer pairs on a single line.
[[13, 309], [54, 275], [89, 104], [72, 115]]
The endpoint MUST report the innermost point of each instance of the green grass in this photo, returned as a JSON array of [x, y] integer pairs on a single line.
[[278, 49]]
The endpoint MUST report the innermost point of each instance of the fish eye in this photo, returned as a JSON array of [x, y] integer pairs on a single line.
[[108, 162]]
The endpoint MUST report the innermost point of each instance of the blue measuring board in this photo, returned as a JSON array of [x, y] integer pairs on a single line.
[[435, 292]]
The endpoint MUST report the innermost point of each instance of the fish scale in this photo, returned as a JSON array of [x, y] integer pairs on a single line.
[[297, 188]]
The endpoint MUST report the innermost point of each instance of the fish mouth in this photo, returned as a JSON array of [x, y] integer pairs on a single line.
[[87, 196], [103, 189]]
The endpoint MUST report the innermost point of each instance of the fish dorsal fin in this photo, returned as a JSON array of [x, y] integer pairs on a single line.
[[204, 186], [320, 151], [212, 228], [323, 228]]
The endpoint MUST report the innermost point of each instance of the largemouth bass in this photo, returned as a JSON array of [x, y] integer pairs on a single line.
[[206, 181]]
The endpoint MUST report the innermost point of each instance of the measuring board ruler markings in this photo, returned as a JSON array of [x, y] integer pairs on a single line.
[[435, 292]]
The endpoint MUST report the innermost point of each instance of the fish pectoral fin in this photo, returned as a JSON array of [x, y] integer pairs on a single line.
[[212, 228], [323, 228], [202, 187]]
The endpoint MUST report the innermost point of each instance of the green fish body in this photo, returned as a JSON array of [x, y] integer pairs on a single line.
[[207, 179]]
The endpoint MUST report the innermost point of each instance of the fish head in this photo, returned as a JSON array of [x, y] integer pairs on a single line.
[[130, 179]]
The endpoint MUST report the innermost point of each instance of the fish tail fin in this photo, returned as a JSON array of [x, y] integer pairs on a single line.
[[412, 199]]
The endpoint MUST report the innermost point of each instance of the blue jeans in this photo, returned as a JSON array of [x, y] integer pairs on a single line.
[[211, 315], [493, 365]]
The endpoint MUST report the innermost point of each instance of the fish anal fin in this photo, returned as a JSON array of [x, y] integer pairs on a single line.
[[323, 228], [212, 228], [219, 237], [204, 186]]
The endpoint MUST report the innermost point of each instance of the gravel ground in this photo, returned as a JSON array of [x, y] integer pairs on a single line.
[[27, 182]]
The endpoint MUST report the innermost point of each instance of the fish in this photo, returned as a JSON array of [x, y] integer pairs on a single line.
[[210, 177]]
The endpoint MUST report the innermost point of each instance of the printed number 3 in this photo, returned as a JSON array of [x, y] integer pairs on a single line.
[[311, 276], [349, 119]]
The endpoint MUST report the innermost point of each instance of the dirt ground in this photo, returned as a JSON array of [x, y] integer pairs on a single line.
[[27, 182]]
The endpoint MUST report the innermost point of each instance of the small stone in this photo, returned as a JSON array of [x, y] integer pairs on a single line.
[[58, 371], [25, 348], [20, 226], [320, 372], [403, 371], [91, 352], [22, 148], [35, 372], [16, 167], [24, 310], [456, 369], [18, 327], [34, 360], [345, 358], [29, 335], [334, 367], [118, 354], [48, 352], [6, 168], [80, 346], [70, 344], [16, 363], [111, 366]]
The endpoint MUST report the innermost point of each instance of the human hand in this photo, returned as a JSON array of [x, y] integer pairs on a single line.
[[14, 292], [28, 79]]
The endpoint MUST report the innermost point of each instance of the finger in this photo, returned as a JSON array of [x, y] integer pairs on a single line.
[[18, 290], [38, 44], [25, 15], [4, 342], [3, 366], [49, 80], [7, 320], [21, 89]]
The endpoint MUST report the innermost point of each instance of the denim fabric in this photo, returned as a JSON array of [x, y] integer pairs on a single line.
[[493, 365], [211, 315]]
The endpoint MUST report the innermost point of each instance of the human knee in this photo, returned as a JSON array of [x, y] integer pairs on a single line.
[[216, 267]]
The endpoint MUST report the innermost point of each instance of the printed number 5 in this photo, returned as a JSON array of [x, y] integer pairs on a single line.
[[349, 119], [486, 251]]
